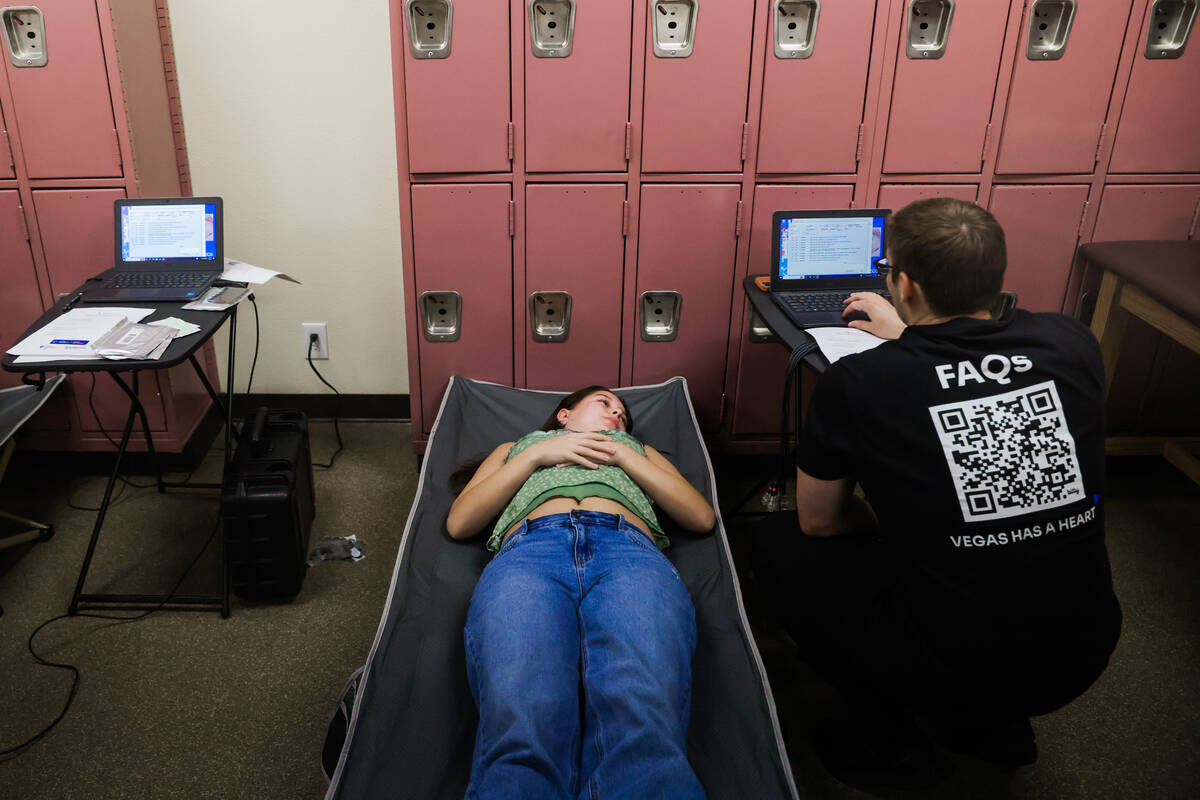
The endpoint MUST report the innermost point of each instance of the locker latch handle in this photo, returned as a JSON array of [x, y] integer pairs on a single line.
[[660, 313], [441, 316], [1171, 24], [551, 28], [25, 35], [796, 27], [673, 24], [929, 27], [1049, 26], [430, 25], [550, 316]]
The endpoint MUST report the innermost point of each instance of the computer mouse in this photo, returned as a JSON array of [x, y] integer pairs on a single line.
[[853, 315]]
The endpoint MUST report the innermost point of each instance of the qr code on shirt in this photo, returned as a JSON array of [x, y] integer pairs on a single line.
[[1009, 454]]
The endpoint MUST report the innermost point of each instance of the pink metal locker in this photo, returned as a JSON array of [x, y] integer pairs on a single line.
[[686, 250], [697, 77], [762, 365], [19, 301], [456, 84], [462, 260], [814, 86], [1156, 211], [945, 79], [1066, 61], [577, 86], [6, 154], [1041, 227], [63, 109], [574, 254], [897, 195], [1161, 115], [1160, 211], [77, 238]]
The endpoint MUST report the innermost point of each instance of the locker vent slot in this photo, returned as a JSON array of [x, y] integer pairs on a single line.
[[441, 316], [660, 315], [796, 27], [1170, 26], [928, 27], [551, 27], [430, 23], [674, 24], [25, 34], [759, 331], [1049, 26], [550, 316]]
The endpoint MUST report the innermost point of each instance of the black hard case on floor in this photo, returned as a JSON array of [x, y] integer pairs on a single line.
[[267, 505]]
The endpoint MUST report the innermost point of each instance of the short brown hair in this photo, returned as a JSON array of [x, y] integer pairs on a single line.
[[953, 249]]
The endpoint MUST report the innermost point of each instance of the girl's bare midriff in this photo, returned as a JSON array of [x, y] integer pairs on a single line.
[[563, 505]]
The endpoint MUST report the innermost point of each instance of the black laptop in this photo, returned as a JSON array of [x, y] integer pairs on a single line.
[[167, 250], [819, 258]]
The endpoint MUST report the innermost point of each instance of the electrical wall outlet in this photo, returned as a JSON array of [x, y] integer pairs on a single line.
[[320, 350]]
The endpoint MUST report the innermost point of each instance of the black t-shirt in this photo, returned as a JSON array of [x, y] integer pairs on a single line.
[[980, 446]]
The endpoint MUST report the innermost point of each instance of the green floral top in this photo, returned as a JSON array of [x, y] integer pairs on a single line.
[[579, 482]]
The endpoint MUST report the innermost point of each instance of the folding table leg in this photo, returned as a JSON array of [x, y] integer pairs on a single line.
[[112, 480]]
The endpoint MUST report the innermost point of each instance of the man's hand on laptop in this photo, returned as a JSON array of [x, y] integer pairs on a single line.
[[884, 322]]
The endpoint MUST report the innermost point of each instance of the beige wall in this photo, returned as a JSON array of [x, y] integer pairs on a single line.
[[288, 110]]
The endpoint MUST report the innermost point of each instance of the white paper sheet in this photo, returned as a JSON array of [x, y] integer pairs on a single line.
[[838, 342], [248, 273], [183, 327], [70, 336]]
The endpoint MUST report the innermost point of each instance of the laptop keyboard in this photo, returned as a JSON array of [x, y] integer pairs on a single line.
[[159, 280], [814, 301]]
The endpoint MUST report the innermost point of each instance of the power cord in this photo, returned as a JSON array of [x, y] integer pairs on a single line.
[[116, 621], [312, 342], [254, 362]]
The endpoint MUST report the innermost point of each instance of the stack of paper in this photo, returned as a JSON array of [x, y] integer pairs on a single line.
[[94, 333], [70, 336], [838, 342], [131, 340]]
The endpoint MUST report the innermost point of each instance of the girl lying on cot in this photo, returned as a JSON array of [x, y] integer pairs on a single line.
[[580, 633]]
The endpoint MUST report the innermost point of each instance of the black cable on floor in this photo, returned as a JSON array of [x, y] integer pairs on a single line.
[[336, 409], [118, 621]]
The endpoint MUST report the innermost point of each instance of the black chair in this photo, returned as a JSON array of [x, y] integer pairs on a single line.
[[17, 405]]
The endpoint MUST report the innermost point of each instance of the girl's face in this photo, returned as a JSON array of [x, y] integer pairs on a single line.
[[598, 411]]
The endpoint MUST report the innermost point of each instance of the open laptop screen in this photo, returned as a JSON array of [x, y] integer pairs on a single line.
[[838, 247], [165, 233]]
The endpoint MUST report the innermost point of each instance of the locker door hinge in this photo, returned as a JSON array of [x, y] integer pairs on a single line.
[[117, 148], [1100, 141], [24, 224], [987, 139], [511, 144], [1082, 218], [724, 409], [512, 218], [745, 139], [858, 148], [624, 217], [1195, 221], [737, 223], [628, 140]]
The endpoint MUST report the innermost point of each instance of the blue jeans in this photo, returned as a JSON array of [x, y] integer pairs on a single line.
[[579, 645]]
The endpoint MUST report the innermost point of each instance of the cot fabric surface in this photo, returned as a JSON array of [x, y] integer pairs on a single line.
[[412, 726]]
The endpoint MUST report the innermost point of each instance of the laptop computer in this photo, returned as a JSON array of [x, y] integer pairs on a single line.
[[819, 258], [167, 250]]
